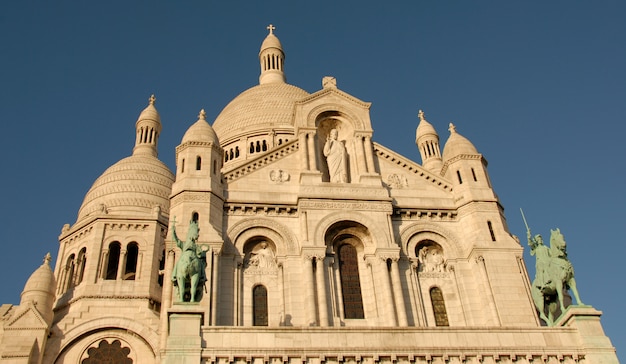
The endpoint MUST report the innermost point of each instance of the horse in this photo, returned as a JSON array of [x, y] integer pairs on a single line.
[[554, 276], [188, 272]]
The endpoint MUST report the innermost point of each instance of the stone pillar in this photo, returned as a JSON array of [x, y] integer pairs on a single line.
[[369, 154], [312, 154], [337, 276], [310, 290], [386, 293], [304, 151], [397, 293], [321, 290], [419, 299], [184, 340], [214, 289], [121, 264], [105, 263], [360, 154], [166, 296]]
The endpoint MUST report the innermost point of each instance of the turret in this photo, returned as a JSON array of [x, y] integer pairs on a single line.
[[427, 141], [198, 170], [39, 290], [148, 127], [272, 59]]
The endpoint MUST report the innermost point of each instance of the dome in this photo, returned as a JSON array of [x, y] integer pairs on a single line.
[[457, 145], [424, 127], [200, 131], [135, 184], [259, 108], [271, 41]]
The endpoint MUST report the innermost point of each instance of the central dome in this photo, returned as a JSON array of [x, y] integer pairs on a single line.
[[260, 108]]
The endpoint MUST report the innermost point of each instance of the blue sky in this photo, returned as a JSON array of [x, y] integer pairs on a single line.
[[539, 87]]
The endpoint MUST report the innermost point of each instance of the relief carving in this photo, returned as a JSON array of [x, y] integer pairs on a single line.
[[278, 175], [397, 181]]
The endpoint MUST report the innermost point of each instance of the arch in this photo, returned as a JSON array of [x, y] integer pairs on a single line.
[[377, 235], [337, 110], [283, 238], [113, 260], [415, 233], [259, 306], [198, 163], [132, 255], [107, 327], [439, 306]]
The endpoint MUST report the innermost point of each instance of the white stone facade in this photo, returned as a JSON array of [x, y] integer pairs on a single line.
[[392, 262]]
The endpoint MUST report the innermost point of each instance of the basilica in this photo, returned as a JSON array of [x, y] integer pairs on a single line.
[[287, 235]]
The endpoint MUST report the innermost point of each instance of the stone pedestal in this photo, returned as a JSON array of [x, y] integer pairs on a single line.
[[184, 341], [594, 341]]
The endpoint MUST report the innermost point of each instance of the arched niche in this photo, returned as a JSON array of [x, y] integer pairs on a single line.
[[283, 240]]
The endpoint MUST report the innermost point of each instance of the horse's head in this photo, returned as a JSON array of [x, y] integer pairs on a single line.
[[194, 231], [557, 241]]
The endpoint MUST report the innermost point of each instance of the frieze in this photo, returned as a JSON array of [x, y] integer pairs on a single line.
[[261, 210], [77, 235], [344, 192], [345, 205], [433, 274], [126, 227], [426, 214], [188, 196]]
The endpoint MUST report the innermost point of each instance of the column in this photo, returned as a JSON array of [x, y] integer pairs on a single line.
[[386, 290], [214, 289], [104, 264], [310, 289], [166, 299], [339, 289], [360, 155], [121, 265], [304, 151], [397, 293], [321, 290], [419, 299], [312, 154], [369, 154]]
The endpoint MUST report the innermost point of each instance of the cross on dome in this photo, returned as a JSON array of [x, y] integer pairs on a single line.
[[152, 99], [271, 28], [420, 114], [202, 115], [452, 128]]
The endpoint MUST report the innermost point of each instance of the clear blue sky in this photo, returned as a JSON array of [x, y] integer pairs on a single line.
[[538, 86]]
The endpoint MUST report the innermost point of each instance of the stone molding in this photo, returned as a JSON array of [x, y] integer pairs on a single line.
[[410, 237], [425, 214], [345, 205], [435, 180], [261, 161], [234, 209], [456, 158], [343, 192]]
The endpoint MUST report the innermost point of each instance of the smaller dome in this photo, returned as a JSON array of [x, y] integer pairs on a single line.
[[424, 127], [200, 131], [40, 285], [150, 112], [271, 41], [457, 145]]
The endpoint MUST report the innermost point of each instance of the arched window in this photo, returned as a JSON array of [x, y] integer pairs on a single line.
[[195, 216], [69, 272], [132, 254], [214, 166], [458, 174], [182, 166], [236, 152], [198, 163], [251, 147], [259, 306], [350, 283], [258, 146], [108, 353], [82, 259], [439, 307], [264, 146], [114, 260], [474, 175]]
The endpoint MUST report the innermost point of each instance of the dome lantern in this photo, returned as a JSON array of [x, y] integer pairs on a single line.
[[272, 59], [148, 128]]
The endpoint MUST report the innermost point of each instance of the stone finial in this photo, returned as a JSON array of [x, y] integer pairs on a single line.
[[271, 28], [202, 115], [452, 128], [152, 99], [329, 82], [47, 259], [420, 114]]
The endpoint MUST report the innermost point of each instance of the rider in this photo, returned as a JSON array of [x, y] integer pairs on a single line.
[[543, 258]]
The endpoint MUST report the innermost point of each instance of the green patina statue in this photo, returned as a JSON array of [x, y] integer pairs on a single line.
[[189, 275], [554, 275]]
